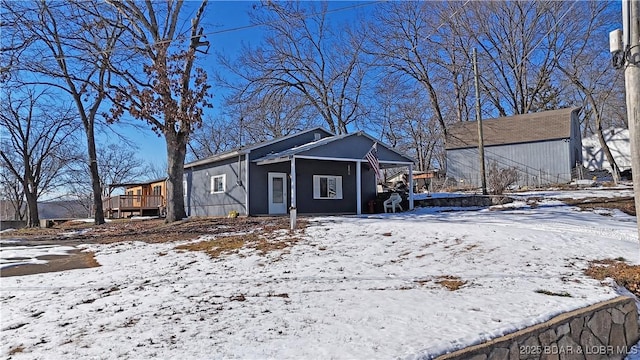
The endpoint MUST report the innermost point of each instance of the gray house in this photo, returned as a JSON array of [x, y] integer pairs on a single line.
[[314, 172], [543, 147]]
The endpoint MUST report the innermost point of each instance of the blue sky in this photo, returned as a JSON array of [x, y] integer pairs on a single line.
[[227, 24]]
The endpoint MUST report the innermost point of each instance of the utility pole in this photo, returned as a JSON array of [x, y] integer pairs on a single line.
[[632, 86], [483, 174]]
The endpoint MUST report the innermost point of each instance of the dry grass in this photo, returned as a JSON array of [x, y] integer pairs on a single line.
[[450, 282], [624, 274], [220, 245], [263, 240], [624, 204], [16, 350]]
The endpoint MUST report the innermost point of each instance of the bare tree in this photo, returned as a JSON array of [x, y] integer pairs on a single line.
[[69, 48], [216, 135], [517, 42], [12, 192], [167, 93], [277, 113], [584, 63], [117, 165], [39, 138], [407, 124], [303, 55], [154, 170], [401, 40]]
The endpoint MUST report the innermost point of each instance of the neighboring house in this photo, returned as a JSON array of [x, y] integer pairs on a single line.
[[619, 144], [422, 180], [313, 171], [543, 147], [141, 198]]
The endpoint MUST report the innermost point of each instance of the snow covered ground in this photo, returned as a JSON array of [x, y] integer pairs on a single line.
[[352, 287]]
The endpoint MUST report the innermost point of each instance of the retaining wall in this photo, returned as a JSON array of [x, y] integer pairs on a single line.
[[464, 201], [606, 330], [12, 224]]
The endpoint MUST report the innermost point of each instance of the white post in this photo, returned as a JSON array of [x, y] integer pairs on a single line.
[[246, 183], [293, 212], [410, 186], [358, 188]]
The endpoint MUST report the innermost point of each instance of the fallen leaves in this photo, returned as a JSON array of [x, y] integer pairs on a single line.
[[624, 274]]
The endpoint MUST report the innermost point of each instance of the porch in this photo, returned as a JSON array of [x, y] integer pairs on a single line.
[[117, 207]]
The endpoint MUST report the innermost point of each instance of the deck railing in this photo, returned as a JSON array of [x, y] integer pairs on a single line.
[[126, 202]]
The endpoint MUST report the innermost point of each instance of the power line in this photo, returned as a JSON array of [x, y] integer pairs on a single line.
[[222, 31]]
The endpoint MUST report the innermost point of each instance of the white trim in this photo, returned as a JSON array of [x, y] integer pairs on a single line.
[[224, 184], [246, 183], [293, 183], [316, 187], [411, 187], [324, 158], [248, 149], [293, 211], [274, 161], [281, 207], [358, 187]]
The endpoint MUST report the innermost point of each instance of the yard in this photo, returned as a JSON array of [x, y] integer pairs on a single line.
[[407, 285]]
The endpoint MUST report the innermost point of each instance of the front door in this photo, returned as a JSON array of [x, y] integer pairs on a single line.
[[277, 193]]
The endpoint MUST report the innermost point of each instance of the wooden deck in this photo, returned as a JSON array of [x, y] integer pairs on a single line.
[[120, 206]]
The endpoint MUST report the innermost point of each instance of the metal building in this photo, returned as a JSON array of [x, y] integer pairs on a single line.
[[543, 147]]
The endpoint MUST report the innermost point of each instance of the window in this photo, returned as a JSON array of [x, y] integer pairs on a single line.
[[157, 190], [217, 184], [327, 187]]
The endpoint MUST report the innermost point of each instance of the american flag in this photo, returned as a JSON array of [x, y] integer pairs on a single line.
[[372, 158]]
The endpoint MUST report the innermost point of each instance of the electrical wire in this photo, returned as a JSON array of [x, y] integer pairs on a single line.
[[222, 31]]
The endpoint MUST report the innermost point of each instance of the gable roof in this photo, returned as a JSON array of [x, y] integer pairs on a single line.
[[286, 154], [246, 149], [540, 126]]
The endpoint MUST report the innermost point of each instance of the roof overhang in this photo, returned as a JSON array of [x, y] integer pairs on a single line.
[[267, 160], [211, 159]]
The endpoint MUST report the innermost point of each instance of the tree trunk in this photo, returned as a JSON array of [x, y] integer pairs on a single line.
[[615, 171], [33, 220], [95, 177], [176, 152]]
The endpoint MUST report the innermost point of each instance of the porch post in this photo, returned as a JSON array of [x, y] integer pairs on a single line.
[[410, 186], [358, 187], [292, 210], [246, 183]]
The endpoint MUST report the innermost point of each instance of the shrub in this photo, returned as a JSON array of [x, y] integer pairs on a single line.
[[500, 179]]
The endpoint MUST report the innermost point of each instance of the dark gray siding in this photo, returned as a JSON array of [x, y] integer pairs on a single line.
[[304, 179], [353, 147], [200, 201], [305, 169], [286, 144], [545, 162], [259, 186]]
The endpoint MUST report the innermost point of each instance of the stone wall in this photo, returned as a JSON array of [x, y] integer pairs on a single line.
[[606, 330], [12, 224], [464, 201]]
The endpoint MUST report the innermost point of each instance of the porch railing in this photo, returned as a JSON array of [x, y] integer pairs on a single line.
[[133, 202]]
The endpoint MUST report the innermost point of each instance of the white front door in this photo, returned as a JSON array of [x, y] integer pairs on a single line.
[[277, 193]]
